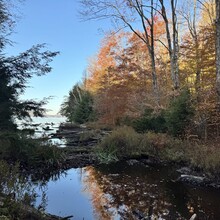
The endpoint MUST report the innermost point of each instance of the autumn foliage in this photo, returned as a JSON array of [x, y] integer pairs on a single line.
[[120, 80]]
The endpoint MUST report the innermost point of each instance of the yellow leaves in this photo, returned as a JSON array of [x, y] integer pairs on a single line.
[[208, 14]]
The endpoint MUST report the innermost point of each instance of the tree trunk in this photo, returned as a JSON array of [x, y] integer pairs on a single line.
[[154, 79], [175, 57], [218, 50], [173, 46]]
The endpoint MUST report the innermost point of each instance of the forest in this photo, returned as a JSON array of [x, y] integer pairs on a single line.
[[150, 93], [156, 73], [162, 66]]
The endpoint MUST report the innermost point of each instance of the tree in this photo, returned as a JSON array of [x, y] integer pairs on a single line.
[[14, 74], [84, 110], [78, 106], [218, 47], [119, 78], [172, 42], [15, 71], [189, 14], [179, 113], [126, 13], [6, 23]]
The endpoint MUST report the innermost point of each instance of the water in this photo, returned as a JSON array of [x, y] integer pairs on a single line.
[[44, 127], [121, 191], [66, 196]]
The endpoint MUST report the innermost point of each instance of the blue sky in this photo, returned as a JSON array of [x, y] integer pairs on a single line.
[[57, 23]]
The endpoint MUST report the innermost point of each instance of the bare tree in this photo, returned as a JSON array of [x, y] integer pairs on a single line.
[[189, 13], [128, 14], [173, 46]]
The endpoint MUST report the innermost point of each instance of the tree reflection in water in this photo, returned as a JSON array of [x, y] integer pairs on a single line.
[[134, 192]]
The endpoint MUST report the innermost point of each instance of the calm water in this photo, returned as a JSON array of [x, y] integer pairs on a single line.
[[44, 127], [121, 191]]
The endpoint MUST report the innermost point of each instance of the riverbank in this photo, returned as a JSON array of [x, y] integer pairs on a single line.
[[198, 159], [85, 147], [196, 162]]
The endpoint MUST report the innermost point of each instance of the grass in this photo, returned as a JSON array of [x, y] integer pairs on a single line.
[[15, 189], [121, 143], [205, 157], [31, 153], [124, 142]]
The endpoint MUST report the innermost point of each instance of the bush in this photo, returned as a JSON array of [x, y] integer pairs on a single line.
[[179, 113], [15, 190], [174, 119], [122, 142], [150, 122], [29, 152], [204, 157], [162, 146]]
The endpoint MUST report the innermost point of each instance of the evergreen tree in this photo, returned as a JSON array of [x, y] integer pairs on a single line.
[[78, 106], [179, 113], [84, 110], [15, 71]]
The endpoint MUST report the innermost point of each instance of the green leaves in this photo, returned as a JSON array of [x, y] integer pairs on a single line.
[[78, 106], [15, 73], [179, 113]]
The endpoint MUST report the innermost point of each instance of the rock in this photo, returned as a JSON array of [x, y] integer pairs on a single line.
[[47, 128], [194, 180], [193, 217], [150, 161], [184, 170], [214, 185]]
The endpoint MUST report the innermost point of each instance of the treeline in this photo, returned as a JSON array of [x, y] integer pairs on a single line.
[[162, 69]]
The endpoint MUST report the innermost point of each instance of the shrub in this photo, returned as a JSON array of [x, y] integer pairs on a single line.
[[179, 113], [150, 122], [162, 146], [204, 157], [174, 119], [125, 142], [122, 142], [15, 190], [29, 152]]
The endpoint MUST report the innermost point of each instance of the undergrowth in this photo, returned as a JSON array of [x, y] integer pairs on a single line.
[[124, 142], [31, 153]]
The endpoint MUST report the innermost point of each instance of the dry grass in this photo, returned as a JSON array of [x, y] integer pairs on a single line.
[[124, 142]]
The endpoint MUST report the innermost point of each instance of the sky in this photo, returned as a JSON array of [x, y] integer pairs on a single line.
[[56, 23]]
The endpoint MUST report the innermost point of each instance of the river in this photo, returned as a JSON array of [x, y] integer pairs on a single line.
[[123, 191]]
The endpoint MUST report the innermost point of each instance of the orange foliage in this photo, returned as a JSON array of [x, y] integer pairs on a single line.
[[120, 76]]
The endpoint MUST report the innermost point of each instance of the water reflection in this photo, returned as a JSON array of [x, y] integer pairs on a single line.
[[65, 195], [134, 192], [126, 192]]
